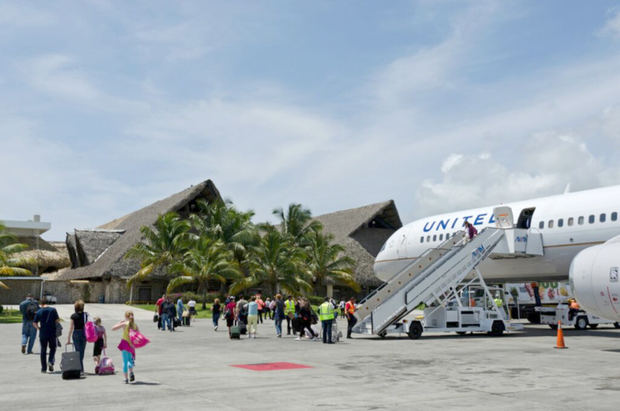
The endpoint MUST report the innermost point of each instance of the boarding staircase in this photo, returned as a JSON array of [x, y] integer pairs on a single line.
[[438, 271]]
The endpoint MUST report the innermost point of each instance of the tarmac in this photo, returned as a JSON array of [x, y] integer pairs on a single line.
[[193, 368]]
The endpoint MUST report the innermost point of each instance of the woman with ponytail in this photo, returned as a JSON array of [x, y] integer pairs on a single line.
[[126, 346]]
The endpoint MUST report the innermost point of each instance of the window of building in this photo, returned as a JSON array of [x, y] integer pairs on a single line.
[[550, 224], [614, 216], [591, 219], [422, 239], [580, 220], [560, 222], [541, 225], [570, 221], [603, 217]]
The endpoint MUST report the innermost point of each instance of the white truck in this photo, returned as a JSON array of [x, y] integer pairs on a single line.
[[577, 318], [521, 298]]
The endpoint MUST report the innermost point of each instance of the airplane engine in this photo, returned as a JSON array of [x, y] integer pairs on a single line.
[[594, 278]]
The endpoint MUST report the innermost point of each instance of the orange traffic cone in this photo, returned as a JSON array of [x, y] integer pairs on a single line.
[[560, 342]]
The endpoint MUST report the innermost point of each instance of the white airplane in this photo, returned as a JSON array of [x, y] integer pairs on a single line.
[[577, 228]]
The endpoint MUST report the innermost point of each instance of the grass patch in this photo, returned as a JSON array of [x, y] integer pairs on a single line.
[[10, 316], [201, 313]]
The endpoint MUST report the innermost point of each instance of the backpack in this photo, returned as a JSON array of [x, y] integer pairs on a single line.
[[31, 311]]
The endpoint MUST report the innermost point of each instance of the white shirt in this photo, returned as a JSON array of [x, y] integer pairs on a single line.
[[191, 303]]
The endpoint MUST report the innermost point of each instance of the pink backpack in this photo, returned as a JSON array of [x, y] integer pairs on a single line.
[[106, 366], [137, 339], [90, 331]]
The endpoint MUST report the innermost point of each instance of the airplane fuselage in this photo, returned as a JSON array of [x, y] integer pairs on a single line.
[[569, 223]]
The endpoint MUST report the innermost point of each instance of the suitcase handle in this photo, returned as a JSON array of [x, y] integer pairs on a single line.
[[69, 344]]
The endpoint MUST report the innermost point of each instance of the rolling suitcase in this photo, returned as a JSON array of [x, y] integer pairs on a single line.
[[243, 329], [235, 332], [70, 364]]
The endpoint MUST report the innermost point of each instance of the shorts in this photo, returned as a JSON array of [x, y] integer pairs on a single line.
[[230, 321], [98, 347]]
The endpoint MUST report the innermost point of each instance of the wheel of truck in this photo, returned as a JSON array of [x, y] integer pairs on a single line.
[[497, 328], [593, 325], [415, 330], [383, 334], [581, 323], [553, 326], [461, 332], [617, 325]]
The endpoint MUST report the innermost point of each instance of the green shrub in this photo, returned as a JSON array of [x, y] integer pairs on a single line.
[[189, 295]]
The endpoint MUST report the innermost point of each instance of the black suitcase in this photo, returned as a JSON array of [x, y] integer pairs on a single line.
[[176, 322], [235, 332], [70, 364], [243, 329]]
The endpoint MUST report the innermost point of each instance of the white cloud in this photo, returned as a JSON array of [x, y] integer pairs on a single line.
[[612, 25], [544, 165], [22, 15]]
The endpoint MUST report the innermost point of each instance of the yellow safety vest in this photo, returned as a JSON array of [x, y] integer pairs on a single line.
[[499, 302], [290, 307], [326, 311]]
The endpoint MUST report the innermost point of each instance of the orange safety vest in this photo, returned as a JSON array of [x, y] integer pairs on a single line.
[[350, 307]]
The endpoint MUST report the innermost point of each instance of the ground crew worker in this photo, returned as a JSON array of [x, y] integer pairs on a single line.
[[326, 315], [573, 308], [349, 309], [289, 312]]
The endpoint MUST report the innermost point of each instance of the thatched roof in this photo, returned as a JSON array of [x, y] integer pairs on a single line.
[[91, 244], [112, 263], [46, 260], [362, 231]]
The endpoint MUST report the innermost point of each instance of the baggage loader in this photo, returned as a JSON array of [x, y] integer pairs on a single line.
[[70, 364]]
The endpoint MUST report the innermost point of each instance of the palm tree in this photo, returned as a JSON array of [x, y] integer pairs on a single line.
[[207, 260], [297, 222], [326, 261], [162, 245], [9, 265], [221, 221], [277, 264]]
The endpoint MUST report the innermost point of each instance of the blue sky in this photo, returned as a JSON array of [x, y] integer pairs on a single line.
[[440, 105]]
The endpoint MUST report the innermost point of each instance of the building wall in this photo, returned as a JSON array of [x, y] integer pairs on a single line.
[[18, 291]]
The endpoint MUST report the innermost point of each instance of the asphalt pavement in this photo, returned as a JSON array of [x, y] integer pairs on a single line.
[[194, 367]]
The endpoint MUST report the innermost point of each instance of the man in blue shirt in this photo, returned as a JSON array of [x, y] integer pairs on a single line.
[[28, 308], [45, 321]]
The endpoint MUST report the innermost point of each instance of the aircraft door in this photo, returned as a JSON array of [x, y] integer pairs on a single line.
[[503, 217], [525, 218]]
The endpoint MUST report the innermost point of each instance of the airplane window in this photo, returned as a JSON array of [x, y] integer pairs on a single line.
[[435, 237], [591, 219], [422, 239], [614, 216], [550, 224], [447, 236], [428, 239], [541, 224], [603, 217], [580, 220], [560, 222], [440, 237], [571, 220]]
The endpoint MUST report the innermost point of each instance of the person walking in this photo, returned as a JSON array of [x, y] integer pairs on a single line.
[[253, 315], [28, 308], [278, 314], [101, 343], [126, 347], [158, 308], [261, 308], [168, 312], [471, 230], [289, 312], [192, 307], [305, 319], [76, 330], [242, 311], [350, 313], [180, 309], [216, 310], [45, 321], [326, 315], [229, 313]]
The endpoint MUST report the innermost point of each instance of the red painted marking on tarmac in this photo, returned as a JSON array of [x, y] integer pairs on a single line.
[[271, 366]]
